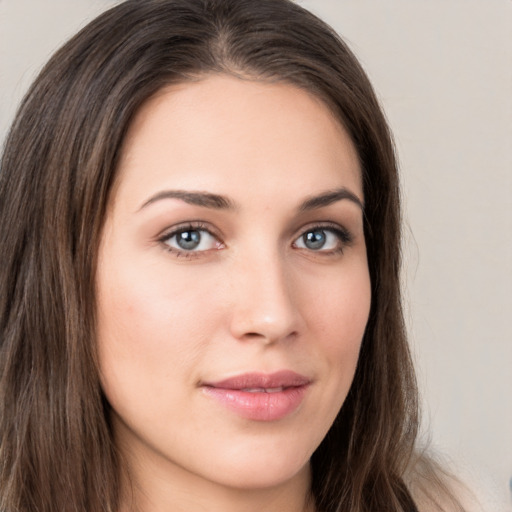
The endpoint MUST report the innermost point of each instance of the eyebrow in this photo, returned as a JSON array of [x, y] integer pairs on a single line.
[[204, 199], [219, 202], [330, 197]]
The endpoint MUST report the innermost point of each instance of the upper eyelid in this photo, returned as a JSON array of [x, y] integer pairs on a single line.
[[183, 226], [327, 225]]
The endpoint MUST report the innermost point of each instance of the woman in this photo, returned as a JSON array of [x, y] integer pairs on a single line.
[[200, 274]]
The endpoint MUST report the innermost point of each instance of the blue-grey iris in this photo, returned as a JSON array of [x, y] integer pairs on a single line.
[[314, 239], [188, 240]]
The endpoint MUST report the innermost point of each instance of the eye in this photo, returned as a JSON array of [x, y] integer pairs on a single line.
[[323, 239], [190, 239]]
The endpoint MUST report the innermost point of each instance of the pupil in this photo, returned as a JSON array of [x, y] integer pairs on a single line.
[[314, 239], [188, 240]]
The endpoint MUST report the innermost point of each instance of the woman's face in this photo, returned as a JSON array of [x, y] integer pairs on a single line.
[[233, 286]]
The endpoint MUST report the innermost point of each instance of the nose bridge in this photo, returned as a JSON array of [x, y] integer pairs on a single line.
[[264, 307]]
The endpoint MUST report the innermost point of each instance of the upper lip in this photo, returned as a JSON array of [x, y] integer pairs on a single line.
[[279, 379]]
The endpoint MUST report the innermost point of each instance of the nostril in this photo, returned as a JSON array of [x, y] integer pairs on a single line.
[[269, 337], [257, 336]]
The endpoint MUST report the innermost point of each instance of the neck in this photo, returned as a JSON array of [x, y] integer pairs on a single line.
[[179, 491]]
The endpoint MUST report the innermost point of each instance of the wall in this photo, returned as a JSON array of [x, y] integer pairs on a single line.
[[443, 71]]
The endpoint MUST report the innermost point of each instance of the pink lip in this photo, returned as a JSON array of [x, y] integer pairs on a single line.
[[260, 396]]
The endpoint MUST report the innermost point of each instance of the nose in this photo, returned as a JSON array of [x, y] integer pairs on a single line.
[[264, 308]]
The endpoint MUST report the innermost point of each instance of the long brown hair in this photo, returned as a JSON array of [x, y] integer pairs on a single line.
[[56, 449]]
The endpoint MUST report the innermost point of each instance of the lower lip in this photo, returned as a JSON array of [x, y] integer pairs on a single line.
[[259, 406]]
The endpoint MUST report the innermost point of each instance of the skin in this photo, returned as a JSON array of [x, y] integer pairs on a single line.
[[253, 297]]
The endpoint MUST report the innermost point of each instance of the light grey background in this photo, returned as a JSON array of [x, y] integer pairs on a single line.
[[443, 71]]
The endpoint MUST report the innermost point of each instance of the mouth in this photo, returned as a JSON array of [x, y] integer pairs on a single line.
[[260, 396], [264, 390]]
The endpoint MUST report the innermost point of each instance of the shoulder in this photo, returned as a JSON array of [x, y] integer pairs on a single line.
[[435, 489]]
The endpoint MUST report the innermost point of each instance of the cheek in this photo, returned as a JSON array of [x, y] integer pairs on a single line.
[[336, 313], [340, 308], [149, 337], [338, 318]]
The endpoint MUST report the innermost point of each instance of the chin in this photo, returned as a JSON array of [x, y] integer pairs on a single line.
[[263, 477], [262, 467]]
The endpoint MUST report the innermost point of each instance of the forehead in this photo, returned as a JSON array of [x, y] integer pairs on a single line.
[[223, 133]]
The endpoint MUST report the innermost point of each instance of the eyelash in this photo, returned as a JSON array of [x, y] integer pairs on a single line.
[[191, 226], [342, 235]]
